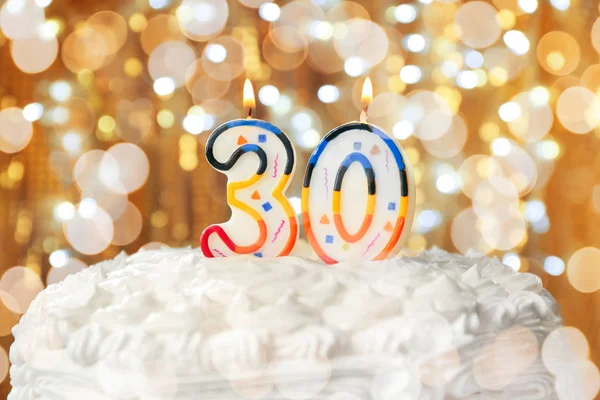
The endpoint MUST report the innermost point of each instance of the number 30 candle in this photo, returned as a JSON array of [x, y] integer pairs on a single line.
[[358, 192], [259, 161]]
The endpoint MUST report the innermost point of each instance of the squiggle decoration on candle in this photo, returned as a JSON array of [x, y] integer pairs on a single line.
[[327, 183], [387, 160], [275, 166], [278, 231], [219, 253], [370, 198], [258, 202], [371, 244]]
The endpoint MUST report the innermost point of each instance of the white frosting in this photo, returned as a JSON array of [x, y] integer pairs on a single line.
[[171, 324]]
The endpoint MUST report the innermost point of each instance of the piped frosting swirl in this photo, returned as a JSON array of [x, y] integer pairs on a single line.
[[171, 324]]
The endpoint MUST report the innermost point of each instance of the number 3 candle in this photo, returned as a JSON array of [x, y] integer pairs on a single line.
[[259, 161], [358, 192]]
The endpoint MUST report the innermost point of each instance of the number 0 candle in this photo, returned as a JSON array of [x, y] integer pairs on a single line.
[[259, 161], [358, 192]]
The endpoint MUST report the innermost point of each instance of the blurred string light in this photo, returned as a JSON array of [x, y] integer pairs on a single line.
[[509, 111], [554, 265], [165, 119], [60, 91], [159, 4], [415, 43], [561, 5], [59, 258], [467, 79], [427, 220], [410, 74], [501, 146], [535, 210], [539, 96], [33, 112], [321, 30], [301, 121], [449, 68], [197, 121], [547, 149], [405, 13], [283, 105], [60, 115], [541, 226], [328, 93], [528, 6], [517, 42], [164, 86], [403, 129], [216, 53], [64, 211], [71, 142], [512, 260], [269, 12], [474, 59], [87, 208], [268, 95], [447, 183], [309, 138], [355, 66]]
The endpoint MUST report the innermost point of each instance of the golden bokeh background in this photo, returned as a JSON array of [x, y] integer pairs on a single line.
[[105, 108]]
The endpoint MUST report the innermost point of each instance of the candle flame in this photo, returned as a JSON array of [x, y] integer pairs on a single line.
[[367, 93], [249, 101]]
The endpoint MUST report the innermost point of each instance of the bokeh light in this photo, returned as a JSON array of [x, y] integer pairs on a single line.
[[269, 11], [4, 364], [554, 351], [465, 233], [578, 109], [171, 60], [201, 20], [558, 53], [91, 230], [223, 59], [285, 48], [477, 23], [15, 132], [363, 39], [18, 288], [131, 170], [34, 54], [405, 13], [535, 116], [268, 95], [20, 20], [583, 269], [430, 113], [160, 29], [127, 226], [56, 275], [503, 358], [449, 144]]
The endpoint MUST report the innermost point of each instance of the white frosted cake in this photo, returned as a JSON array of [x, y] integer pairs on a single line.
[[171, 324]]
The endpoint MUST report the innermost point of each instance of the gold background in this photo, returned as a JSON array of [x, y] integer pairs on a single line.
[[179, 200]]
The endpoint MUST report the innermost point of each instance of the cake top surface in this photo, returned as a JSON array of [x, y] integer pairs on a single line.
[[219, 323]]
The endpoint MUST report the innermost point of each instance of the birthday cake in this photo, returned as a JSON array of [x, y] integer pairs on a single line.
[[172, 324]]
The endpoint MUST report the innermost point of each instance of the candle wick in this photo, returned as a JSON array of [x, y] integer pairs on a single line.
[[364, 115], [250, 112]]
